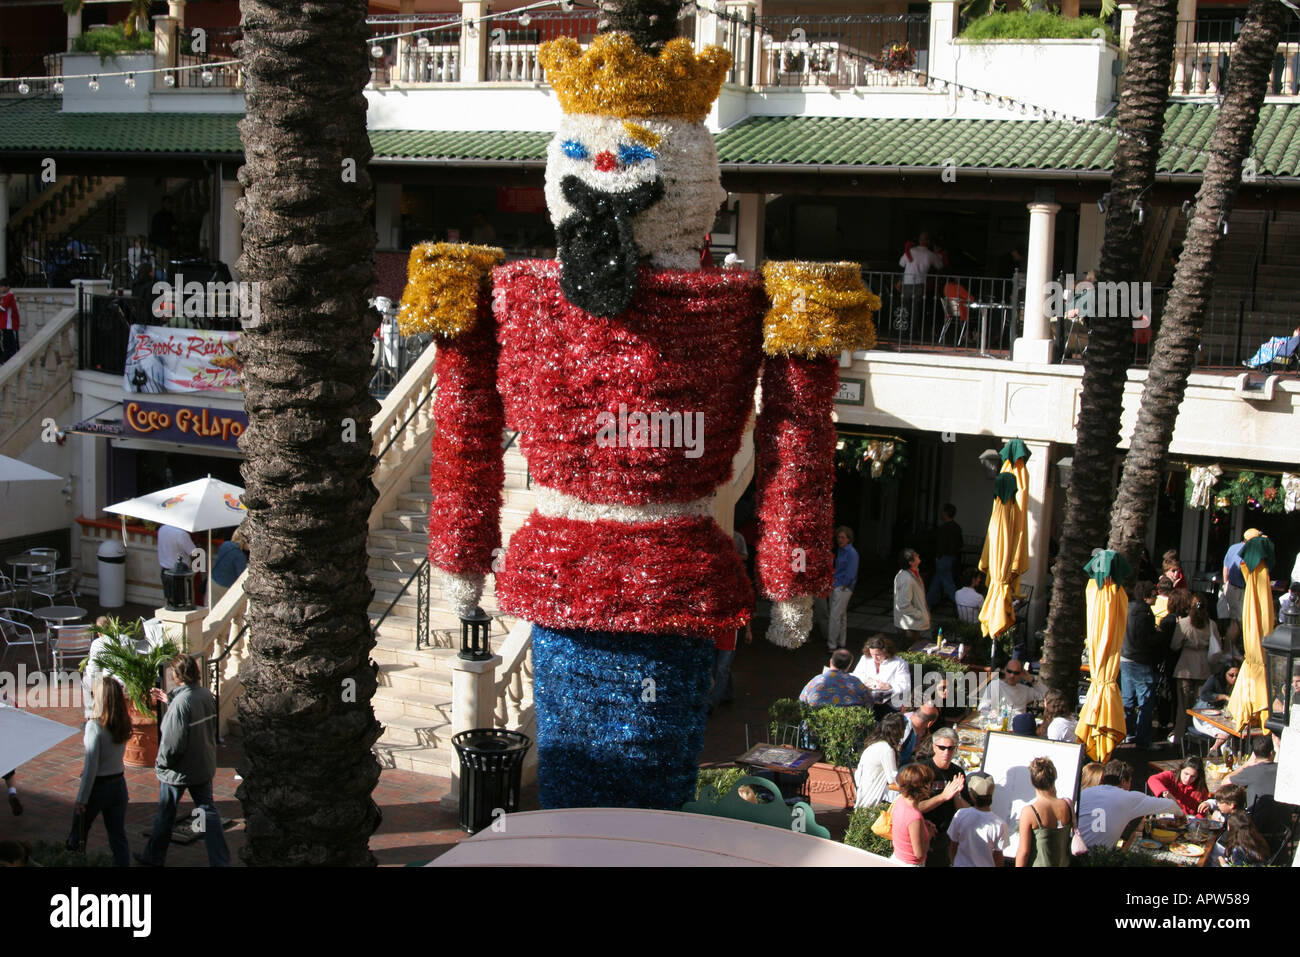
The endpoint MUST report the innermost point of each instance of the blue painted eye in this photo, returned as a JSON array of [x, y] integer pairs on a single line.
[[574, 150], [630, 153]]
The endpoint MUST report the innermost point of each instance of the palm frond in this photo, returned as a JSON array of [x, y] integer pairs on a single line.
[[138, 670]]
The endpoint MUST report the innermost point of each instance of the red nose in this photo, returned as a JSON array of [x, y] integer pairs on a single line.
[[605, 162]]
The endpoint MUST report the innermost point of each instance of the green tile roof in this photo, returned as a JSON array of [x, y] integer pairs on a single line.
[[759, 141], [527, 147], [995, 144], [37, 125]]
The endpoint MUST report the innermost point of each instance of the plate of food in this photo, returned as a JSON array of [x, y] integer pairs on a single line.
[[1212, 712], [1187, 849], [1163, 835], [1146, 844]]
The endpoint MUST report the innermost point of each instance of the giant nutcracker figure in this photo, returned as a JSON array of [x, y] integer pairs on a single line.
[[603, 359]]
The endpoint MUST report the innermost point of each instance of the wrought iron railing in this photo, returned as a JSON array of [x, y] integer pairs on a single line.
[[972, 312], [847, 50]]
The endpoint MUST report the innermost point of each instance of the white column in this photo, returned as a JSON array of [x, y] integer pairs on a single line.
[[752, 219], [1035, 344], [473, 705], [166, 45], [943, 29], [706, 27], [1042, 488], [176, 8], [74, 28], [4, 223], [388, 214], [1127, 18], [1092, 230], [230, 240], [473, 41], [401, 60]]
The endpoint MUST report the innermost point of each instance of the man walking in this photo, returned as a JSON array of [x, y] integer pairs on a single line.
[[1145, 647], [187, 759], [947, 556], [846, 577]]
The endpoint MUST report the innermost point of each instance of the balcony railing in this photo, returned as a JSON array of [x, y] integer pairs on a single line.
[[946, 312], [1204, 47], [840, 51]]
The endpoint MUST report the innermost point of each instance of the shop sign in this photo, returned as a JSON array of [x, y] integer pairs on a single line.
[[188, 424], [162, 359], [851, 392]]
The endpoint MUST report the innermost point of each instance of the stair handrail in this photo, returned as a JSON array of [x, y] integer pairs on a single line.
[[24, 389], [513, 681]]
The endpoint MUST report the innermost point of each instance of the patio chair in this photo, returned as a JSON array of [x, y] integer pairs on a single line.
[[70, 641], [20, 627], [968, 613], [62, 581], [954, 311]]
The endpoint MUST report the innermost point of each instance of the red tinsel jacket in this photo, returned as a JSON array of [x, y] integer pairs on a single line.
[[624, 537]]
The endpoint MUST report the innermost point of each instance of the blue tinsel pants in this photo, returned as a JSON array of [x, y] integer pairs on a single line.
[[620, 717]]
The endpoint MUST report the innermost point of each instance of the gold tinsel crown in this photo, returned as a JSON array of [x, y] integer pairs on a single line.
[[613, 77]]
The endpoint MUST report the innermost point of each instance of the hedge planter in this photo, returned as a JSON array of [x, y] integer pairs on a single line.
[[831, 785]]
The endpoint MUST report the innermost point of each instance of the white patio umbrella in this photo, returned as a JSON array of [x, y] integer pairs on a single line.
[[12, 470], [24, 735], [197, 506]]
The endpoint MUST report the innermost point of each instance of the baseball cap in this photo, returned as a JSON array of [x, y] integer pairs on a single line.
[[979, 784]]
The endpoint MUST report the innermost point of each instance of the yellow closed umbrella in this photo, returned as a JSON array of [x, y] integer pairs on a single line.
[[1014, 456], [1001, 558], [1101, 719], [1250, 694]]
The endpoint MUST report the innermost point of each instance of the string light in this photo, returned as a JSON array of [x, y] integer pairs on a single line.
[[525, 19], [377, 51], [206, 77], [169, 79], [130, 81], [23, 89], [94, 84]]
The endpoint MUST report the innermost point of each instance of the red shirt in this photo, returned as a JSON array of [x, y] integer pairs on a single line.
[[9, 311], [1189, 799]]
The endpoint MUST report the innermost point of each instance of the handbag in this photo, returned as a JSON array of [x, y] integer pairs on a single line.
[[76, 840], [883, 825], [1077, 846], [1223, 608]]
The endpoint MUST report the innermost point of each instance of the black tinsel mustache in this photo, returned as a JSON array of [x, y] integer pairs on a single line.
[[598, 257]]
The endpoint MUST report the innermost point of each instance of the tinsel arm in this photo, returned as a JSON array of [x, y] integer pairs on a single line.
[[796, 449], [448, 293]]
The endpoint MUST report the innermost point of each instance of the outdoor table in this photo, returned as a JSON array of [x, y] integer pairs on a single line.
[[985, 308], [1217, 718], [58, 614], [27, 562], [1134, 840], [632, 837], [779, 759]]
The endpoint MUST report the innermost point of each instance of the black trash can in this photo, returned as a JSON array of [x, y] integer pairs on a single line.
[[491, 766]]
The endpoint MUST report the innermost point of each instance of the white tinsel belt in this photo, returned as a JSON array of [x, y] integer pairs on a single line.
[[552, 503]]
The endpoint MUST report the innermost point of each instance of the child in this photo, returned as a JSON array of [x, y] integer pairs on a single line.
[[977, 834]]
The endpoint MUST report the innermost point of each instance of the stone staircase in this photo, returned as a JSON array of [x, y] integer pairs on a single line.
[[414, 698]]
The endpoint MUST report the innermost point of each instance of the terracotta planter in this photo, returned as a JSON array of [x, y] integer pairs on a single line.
[[831, 785], [142, 746]]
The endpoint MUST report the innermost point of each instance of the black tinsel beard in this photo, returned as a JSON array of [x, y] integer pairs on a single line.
[[598, 257]]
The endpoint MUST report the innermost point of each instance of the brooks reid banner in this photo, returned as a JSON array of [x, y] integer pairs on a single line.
[[160, 359], [190, 424]]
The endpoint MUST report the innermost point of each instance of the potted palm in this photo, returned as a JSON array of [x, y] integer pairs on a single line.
[[138, 671]]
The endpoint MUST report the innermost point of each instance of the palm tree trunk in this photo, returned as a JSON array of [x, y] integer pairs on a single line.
[[1141, 118], [1180, 327], [651, 23], [308, 240]]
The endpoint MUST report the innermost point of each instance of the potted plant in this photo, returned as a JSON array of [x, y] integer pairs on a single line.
[[838, 733], [138, 672]]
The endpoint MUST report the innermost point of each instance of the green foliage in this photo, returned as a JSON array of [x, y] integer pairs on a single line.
[[722, 780], [840, 733], [1035, 25], [859, 834], [931, 663], [1113, 857], [109, 41], [783, 713], [1260, 492], [138, 670], [50, 854]]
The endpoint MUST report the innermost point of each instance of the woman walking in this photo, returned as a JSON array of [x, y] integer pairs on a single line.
[[103, 786], [1198, 637]]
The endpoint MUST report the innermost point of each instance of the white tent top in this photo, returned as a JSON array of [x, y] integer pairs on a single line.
[[24, 735], [12, 470], [196, 506], [628, 837]]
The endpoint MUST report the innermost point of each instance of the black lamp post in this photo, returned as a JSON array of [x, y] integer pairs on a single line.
[[1282, 665], [178, 587], [474, 636]]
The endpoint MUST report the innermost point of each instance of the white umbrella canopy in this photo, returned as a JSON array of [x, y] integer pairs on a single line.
[[23, 736], [12, 470], [196, 506]]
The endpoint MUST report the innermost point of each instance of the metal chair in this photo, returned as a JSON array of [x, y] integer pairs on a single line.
[[70, 641], [952, 312], [968, 613], [1195, 742], [61, 581], [20, 627]]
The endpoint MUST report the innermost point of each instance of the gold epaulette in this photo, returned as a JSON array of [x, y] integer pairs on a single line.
[[443, 284], [817, 309]]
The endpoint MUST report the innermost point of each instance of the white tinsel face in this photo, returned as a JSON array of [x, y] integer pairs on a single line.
[[617, 156]]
